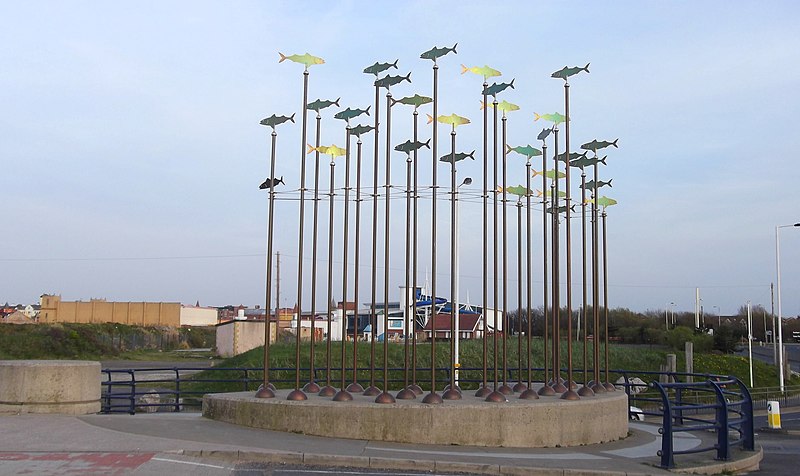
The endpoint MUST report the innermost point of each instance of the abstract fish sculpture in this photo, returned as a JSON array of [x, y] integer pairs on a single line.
[[555, 117], [453, 119], [599, 144], [380, 67], [434, 53], [271, 182], [415, 100], [348, 113], [305, 59], [551, 174], [359, 129], [320, 104], [572, 156], [518, 190], [566, 72], [274, 120], [603, 201], [458, 157], [587, 161], [331, 150], [545, 132], [410, 146], [496, 88], [591, 185], [526, 150], [484, 71], [387, 81], [504, 106]]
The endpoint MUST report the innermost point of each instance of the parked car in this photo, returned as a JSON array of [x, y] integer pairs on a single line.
[[636, 413]]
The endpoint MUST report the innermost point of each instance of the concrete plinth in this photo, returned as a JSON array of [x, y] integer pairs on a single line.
[[547, 422], [49, 386]]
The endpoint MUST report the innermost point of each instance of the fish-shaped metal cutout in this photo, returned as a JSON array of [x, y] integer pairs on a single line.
[[271, 182], [359, 129], [504, 106], [410, 146], [274, 120], [348, 113], [526, 150], [453, 119], [566, 72], [586, 161], [561, 209], [320, 104], [590, 185], [518, 190], [380, 67], [458, 156], [305, 59], [415, 100], [548, 193], [603, 201], [331, 150], [551, 174], [572, 156], [496, 88], [555, 118], [434, 53], [387, 81], [484, 71], [599, 144], [545, 132]]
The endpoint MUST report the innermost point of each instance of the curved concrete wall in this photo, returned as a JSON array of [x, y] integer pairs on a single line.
[[547, 422], [49, 386]]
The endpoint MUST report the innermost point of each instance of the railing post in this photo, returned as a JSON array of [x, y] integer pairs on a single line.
[[723, 442], [246, 378], [748, 434], [177, 390], [679, 403], [132, 395], [666, 452]]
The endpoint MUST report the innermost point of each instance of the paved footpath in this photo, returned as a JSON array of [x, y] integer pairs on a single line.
[[187, 443]]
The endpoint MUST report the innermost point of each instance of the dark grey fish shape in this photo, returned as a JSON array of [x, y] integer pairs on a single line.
[[274, 120], [271, 182], [380, 67]]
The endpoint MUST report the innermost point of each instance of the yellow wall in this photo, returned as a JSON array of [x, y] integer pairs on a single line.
[[99, 311]]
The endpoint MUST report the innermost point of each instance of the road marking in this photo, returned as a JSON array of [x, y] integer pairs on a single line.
[[168, 460], [481, 454]]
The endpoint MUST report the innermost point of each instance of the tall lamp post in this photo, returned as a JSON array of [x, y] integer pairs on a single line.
[[780, 316], [719, 319]]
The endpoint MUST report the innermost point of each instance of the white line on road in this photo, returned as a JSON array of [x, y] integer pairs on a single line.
[[189, 462]]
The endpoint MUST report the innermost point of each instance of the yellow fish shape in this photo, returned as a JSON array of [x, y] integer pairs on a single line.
[[453, 119], [504, 106]]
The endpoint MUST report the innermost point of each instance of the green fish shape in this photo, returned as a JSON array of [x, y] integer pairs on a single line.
[[415, 100], [458, 157], [590, 185], [587, 162], [484, 71], [410, 146], [561, 209], [596, 145], [434, 53], [551, 174], [320, 104], [387, 81], [305, 59], [359, 129], [453, 119], [603, 201], [572, 156], [555, 117], [380, 67], [566, 72], [348, 113], [495, 88], [548, 193], [526, 150], [274, 120], [504, 106], [519, 190]]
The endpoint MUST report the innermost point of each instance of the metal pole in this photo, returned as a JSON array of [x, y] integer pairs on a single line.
[[406, 393], [597, 385], [520, 386], [546, 389], [780, 315], [298, 394], [266, 390], [570, 394], [311, 386], [355, 386], [586, 390], [484, 391], [372, 390], [750, 342], [608, 385], [452, 392], [414, 387], [505, 389], [529, 393], [386, 397], [345, 246], [328, 390], [558, 385]]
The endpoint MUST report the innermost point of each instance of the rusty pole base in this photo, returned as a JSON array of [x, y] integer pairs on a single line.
[[297, 395], [451, 394], [355, 387], [529, 394], [265, 392], [496, 397], [342, 396], [327, 391], [505, 389], [586, 392], [406, 394], [559, 387], [415, 388], [311, 387], [570, 395], [371, 391], [610, 387], [546, 391], [385, 397], [599, 388], [483, 392], [432, 398], [519, 387]]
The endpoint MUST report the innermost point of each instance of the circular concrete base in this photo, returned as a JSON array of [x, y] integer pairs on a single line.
[[49, 386], [546, 422]]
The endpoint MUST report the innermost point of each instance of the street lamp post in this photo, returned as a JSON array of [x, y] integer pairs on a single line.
[[719, 319], [457, 337], [780, 316]]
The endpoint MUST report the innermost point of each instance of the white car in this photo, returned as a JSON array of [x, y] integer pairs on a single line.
[[636, 413]]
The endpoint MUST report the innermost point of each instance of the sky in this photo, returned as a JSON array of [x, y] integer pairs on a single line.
[[132, 152]]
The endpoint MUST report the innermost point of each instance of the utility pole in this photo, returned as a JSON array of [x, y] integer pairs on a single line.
[[772, 313]]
